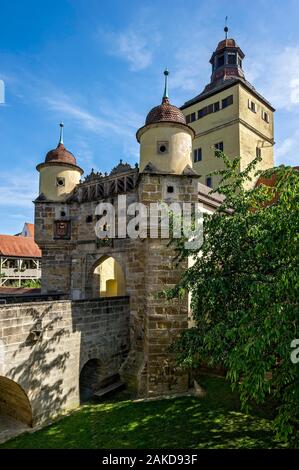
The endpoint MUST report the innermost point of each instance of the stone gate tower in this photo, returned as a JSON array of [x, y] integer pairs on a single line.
[[165, 175], [78, 265]]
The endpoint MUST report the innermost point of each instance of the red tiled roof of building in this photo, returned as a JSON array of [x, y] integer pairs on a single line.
[[271, 182], [19, 247]]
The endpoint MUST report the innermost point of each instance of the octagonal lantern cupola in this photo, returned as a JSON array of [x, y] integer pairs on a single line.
[[165, 139], [226, 61]]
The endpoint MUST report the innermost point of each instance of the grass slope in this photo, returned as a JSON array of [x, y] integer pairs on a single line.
[[213, 422]]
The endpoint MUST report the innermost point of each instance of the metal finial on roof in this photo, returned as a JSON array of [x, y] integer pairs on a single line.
[[166, 73], [226, 28], [61, 133]]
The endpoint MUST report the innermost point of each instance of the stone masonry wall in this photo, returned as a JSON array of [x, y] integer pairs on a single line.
[[45, 345], [164, 320]]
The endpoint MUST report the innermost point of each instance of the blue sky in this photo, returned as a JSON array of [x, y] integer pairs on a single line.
[[97, 66]]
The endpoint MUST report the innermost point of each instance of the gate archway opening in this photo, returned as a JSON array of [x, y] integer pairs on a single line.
[[90, 379], [15, 409], [109, 279], [95, 380]]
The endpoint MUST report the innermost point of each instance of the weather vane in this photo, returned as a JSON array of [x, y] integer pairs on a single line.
[[226, 28], [61, 133], [166, 73]]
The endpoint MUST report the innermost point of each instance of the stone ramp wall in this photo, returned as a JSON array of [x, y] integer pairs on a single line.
[[44, 345]]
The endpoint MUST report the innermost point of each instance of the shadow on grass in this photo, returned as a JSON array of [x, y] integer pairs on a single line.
[[214, 421]]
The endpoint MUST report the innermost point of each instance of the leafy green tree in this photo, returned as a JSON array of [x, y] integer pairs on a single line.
[[245, 289]]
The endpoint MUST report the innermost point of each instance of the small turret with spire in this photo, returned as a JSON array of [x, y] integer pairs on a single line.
[[61, 154], [165, 111], [165, 98], [165, 139], [59, 173]]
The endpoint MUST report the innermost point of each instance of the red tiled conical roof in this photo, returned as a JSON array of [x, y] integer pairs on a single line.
[[165, 112], [60, 155]]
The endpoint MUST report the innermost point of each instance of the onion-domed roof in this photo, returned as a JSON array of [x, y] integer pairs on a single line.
[[165, 112], [60, 155]]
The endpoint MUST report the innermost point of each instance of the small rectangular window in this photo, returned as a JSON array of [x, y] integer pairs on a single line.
[[197, 155], [231, 59], [209, 181], [188, 118], [220, 61], [192, 117], [218, 148], [252, 106], [210, 109], [227, 101], [265, 116], [258, 152], [216, 106], [202, 112]]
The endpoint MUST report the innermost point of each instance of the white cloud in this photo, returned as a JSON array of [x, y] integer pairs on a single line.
[[136, 45], [287, 152], [18, 189], [64, 105], [294, 84], [134, 49], [191, 71], [111, 121], [113, 118], [276, 75]]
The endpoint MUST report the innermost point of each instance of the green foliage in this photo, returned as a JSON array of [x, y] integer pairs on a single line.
[[212, 422], [32, 284], [244, 285]]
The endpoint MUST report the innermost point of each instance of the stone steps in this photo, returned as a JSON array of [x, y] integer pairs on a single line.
[[112, 387]]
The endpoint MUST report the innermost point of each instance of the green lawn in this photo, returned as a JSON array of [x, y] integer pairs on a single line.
[[214, 421]]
